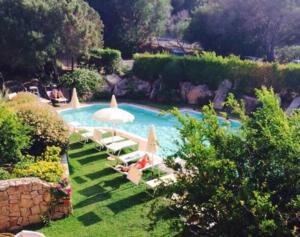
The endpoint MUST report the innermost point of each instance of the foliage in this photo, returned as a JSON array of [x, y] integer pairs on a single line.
[[210, 69], [13, 136], [238, 183], [33, 32], [48, 129], [245, 27], [23, 98], [86, 81], [4, 174], [107, 59], [288, 53], [62, 189], [129, 24], [51, 154], [45, 170]]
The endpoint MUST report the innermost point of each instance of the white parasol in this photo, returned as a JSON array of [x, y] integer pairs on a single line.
[[74, 101]]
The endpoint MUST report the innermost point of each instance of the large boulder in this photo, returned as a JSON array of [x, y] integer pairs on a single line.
[[132, 87], [185, 88], [112, 80], [293, 106], [251, 103], [221, 94], [157, 88], [199, 94]]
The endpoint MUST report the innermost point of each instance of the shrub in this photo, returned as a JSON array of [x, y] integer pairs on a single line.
[[288, 53], [241, 181], [4, 174], [52, 154], [108, 59], [86, 81], [23, 98], [210, 69], [13, 136], [48, 129], [45, 170]]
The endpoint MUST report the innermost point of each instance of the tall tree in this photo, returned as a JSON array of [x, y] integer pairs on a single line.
[[130, 23], [250, 27], [32, 32]]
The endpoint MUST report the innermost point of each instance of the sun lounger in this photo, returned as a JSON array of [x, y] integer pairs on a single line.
[[165, 180], [86, 136], [117, 147], [109, 141], [131, 157]]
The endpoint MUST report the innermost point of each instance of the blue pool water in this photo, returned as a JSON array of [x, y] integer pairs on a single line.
[[165, 126]]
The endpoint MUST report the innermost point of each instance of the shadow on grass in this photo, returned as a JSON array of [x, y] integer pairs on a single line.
[[86, 152], [90, 159], [101, 196], [99, 174], [75, 146], [92, 190], [79, 180], [129, 202], [115, 183], [89, 218]]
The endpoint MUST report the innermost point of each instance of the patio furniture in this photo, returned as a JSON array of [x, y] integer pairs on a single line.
[[115, 148], [131, 157], [27, 233], [56, 100], [165, 180], [105, 142]]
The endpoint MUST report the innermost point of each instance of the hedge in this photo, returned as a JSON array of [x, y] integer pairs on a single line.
[[210, 69], [108, 59]]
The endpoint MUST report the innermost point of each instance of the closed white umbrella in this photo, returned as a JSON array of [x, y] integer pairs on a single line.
[[152, 141], [74, 101], [113, 114]]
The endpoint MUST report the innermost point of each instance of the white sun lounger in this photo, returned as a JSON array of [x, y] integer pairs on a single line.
[[109, 141], [119, 146], [166, 180], [130, 157]]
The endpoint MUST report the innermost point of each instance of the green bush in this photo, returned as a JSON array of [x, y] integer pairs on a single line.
[[52, 154], [45, 170], [4, 174], [107, 59], [86, 81], [48, 128], [210, 69], [23, 98], [13, 136]]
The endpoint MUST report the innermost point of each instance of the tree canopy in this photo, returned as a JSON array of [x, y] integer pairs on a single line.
[[129, 24], [32, 32], [239, 183], [246, 27]]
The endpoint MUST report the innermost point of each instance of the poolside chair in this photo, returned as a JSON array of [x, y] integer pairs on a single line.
[[86, 136], [114, 149], [105, 142], [131, 157], [27, 233], [164, 180]]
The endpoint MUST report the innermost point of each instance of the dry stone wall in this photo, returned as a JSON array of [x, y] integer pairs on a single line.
[[24, 201]]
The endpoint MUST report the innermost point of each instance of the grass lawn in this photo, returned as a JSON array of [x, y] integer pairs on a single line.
[[105, 203]]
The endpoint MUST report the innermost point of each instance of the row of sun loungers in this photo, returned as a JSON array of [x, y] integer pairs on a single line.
[[115, 145]]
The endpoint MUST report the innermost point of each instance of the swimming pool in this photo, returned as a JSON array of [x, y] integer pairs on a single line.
[[166, 126]]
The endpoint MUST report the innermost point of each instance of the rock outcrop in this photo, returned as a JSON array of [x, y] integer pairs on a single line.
[[199, 94], [221, 94], [251, 103], [293, 106], [185, 88], [132, 87]]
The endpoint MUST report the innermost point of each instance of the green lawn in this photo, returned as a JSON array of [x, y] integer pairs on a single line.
[[105, 203]]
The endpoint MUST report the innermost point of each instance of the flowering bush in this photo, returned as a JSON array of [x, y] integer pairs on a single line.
[[62, 190], [45, 170]]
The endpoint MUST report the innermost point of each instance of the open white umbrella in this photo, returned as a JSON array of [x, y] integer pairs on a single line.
[[113, 114], [74, 101]]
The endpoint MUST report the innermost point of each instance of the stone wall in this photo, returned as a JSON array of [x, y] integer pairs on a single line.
[[24, 201]]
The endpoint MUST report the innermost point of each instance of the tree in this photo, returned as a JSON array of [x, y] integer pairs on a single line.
[[129, 24], [246, 27], [239, 183], [33, 32]]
